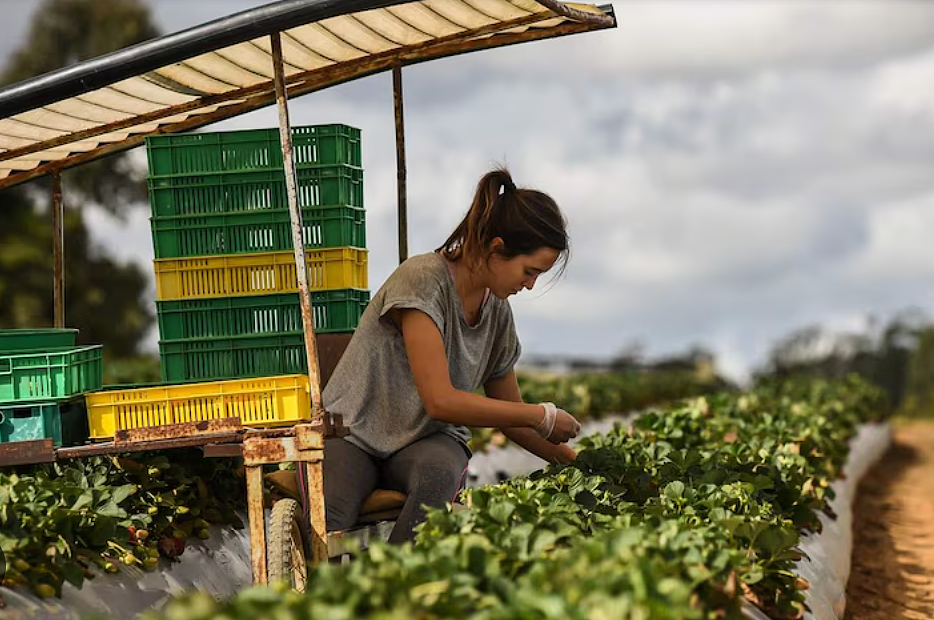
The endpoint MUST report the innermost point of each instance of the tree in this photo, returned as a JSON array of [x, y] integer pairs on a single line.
[[103, 298], [895, 357]]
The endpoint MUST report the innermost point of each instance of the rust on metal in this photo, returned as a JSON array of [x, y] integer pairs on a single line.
[[309, 437], [141, 446], [270, 451], [584, 17], [176, 431], [58, 251], [27, 452], [257, 517], [298, 242], [265, 433], [316, 516], [401, 207], [261, 95]]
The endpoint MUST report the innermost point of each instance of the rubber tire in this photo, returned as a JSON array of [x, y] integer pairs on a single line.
[[287, 551]]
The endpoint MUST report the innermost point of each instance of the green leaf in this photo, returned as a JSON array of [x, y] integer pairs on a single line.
[[501, 511], [83, 500], [674, 490], [123, 492]]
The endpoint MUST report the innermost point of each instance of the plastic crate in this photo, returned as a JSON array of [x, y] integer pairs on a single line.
[[211, 359], [31, 376], [332, 311], [258, 274], [255, 191], [256, 231], [256, 149], [265, 402], [40, 338], [65, 423]]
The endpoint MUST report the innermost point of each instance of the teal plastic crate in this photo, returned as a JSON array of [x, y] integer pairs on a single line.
[[65, 423], [333, 311], [321, 186], [256, 231], [33, 376], [38, 338], [250, 150], [214, 359]]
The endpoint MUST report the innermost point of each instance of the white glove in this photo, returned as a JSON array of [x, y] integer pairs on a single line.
[[547, 425]]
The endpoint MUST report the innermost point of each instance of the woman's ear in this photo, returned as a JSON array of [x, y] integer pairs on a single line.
[[497, 246]]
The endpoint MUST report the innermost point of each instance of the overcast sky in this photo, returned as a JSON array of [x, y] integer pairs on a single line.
[[730, 170]]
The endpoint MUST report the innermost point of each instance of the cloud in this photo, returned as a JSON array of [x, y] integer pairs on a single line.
[[687, 39], [730, 171]]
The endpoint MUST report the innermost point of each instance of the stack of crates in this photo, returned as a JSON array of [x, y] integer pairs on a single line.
[[226, 287], [43, 375]]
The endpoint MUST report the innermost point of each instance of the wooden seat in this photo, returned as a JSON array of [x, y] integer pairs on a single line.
[[381, 505]]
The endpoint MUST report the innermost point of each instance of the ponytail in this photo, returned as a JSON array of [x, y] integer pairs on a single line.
[[525, 219]]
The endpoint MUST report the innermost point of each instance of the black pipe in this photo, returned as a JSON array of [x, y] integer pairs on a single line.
[[166, 50]]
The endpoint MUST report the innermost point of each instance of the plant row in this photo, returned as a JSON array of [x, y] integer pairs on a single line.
[[593, 395], [68, 521], [686, 514]]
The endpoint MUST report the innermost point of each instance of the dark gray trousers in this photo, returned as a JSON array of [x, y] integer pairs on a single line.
[[430, 472]]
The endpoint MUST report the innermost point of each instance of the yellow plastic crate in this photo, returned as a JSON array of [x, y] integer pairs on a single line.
[[258, 274], [260, 402]]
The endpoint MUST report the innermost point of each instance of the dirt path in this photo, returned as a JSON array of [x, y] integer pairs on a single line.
[[893, 540]]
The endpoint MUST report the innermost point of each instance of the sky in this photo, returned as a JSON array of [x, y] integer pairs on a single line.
[[731, 170]]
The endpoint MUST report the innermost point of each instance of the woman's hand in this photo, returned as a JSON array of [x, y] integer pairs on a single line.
[[566, 427], [563, 454]]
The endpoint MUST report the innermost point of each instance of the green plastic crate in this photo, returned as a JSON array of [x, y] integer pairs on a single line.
[[213, 359], [321, 186], [65, 423], [32, 376], [256, 231], [333, 311], [39, 338], [250, 150]]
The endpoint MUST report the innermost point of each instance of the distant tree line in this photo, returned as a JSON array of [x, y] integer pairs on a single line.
[[897, 356]]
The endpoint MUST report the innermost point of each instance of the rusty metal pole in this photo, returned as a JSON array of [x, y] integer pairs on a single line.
[[298, 243], [400, 163], [257, 517], [314, 506], [58, 251]]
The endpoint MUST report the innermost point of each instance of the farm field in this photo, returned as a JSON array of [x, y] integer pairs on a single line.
[[893, 555]]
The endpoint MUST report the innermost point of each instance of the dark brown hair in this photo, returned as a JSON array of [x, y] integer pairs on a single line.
[[525, 219]]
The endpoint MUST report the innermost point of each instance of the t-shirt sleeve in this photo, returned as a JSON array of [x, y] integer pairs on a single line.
[[508, 347], [417, 286]]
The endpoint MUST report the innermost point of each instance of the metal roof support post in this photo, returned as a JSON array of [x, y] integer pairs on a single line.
[[400, 163], [313, 501], [298, 243], [58, 251]]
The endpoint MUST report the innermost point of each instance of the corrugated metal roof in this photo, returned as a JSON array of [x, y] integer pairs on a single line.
[[238, 77]]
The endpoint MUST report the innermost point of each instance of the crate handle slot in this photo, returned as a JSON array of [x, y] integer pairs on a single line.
[[6, 367]]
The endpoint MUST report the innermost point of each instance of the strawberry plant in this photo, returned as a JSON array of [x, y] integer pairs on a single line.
[[64, 522]]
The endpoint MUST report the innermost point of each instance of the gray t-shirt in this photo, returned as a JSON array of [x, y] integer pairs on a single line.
[[372, 385]]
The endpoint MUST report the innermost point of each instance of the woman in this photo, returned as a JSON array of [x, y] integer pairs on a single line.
[[438, 329]]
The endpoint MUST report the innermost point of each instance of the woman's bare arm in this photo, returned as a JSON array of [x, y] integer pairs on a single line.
[[425, 350], [507, 388]]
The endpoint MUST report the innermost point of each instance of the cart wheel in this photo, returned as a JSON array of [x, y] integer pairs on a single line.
[[287, 549]]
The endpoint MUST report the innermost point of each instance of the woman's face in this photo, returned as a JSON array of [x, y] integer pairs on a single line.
[[508, 276]]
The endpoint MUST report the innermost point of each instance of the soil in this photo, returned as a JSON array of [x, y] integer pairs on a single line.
[[892, 576]]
